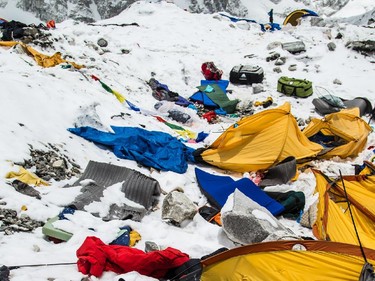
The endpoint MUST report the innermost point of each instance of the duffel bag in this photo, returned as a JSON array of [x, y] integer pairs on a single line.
[[246, 74], [294, 87]]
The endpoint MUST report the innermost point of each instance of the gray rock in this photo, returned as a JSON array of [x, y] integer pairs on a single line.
[[102, 42], [331, 46], [280, 61], [245, 222], [58, 164], [273, 45], [294, 47], [273, 56], [257, 88], [364, 47], [292, 67], [317, 21], [337, 82], [177, 207], [277, 70]]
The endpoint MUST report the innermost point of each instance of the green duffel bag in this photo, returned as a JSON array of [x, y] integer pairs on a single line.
[[294, 87]]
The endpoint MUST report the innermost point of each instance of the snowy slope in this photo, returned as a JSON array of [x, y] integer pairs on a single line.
[[39, 104]]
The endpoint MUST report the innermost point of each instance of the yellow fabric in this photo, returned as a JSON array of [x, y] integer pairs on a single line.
[[120, 97], [346, 125], [286, 266], [293, 17], [260, 141], [333, 219], [134, 238], [26, 177], [41, 59]]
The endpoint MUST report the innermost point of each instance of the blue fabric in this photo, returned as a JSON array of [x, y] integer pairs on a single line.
[[220, 111], [218, 188], [201, 136], [269, 26], [310, 13], [202, 97], [124, 238], [235, 19], [182, 102], [149, 148], [223, 84]]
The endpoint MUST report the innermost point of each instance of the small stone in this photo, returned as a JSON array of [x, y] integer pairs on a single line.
[[277, 69], [331, 46], [102, 42], [280, 61], [257, 88], [292, 67], [337, 82], [36, 248]]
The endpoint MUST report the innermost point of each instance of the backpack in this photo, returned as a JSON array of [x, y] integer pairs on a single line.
[[210, 71], [294, 87]]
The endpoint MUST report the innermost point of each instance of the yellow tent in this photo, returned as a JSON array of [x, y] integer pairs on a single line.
[[287, 261], [294, 17], [345, 130], [333, 221], [41, 59], [259, 142]]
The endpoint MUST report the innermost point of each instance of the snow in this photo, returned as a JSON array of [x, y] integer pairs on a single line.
[[40, 104]]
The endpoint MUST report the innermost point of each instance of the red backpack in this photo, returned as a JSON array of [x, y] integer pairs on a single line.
[[210, 71]]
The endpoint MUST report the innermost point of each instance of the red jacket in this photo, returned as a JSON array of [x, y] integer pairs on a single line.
[[94, 257]]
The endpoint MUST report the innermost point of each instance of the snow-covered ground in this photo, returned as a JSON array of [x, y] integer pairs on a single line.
[[40, 104]]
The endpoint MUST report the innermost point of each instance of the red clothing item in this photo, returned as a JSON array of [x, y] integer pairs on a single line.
[[94, 257]]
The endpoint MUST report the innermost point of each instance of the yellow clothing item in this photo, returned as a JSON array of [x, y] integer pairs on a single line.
[[41, 59], [26, 177]]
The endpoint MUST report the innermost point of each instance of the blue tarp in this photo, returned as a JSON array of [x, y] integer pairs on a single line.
[[218, 188], [149, 148]]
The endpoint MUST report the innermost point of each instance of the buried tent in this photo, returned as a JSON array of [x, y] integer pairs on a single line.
[[291, 260], [294, 17], [259, 142], [333, 220], [342, 133]]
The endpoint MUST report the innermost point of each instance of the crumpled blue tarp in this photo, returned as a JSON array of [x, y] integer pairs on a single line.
[[149, 148]]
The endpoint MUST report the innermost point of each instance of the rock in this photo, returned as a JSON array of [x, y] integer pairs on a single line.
[[273, 45], [36, 248], [292, 67], [245, 222], [59, 164], [277, 70], [257, 88], [177, 207], [339, 35], [102, 42], [331, 46], [280, 61], [273, 56], [294, 47], [364, 47], [337, 81], [317, 21]]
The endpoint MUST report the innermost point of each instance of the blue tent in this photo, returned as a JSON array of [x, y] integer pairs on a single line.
[[149, 148], [218, 188]]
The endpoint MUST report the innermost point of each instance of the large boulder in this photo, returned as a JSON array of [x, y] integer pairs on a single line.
[[177, 207], [245, 222]]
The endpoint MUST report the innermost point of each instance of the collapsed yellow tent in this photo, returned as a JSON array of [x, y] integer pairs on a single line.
[[294, 17], [287, 261], [333, 221], [345, 129], [259, 142], [41, 59]]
